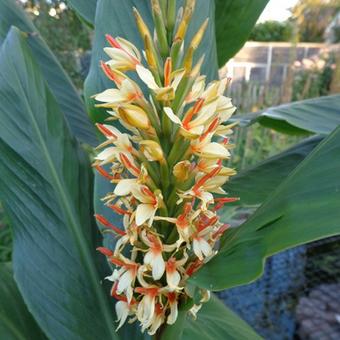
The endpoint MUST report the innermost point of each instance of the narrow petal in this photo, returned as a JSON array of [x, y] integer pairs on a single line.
[[125, 186], [110, 96], [172, 116], [214, 150], [173, 278], [146, 76], [122, 311], [158, 266], [173, 313], [124, 281], [143, 213]]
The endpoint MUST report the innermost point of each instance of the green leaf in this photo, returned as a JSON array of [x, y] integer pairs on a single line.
[[44, 185], [304, 208], [16, 322], [216, 321], [235, 20], [85, 8], [116, 18], [58, 81], [255, 184], [318, 115]]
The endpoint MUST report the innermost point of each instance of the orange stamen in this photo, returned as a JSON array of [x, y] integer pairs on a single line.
[[220, 231], [105, 131], [167, 72], [193, 267], [212, 127], [193, 111], [147, 291], [101, 219], [158, 309], [222, 201], [127, 163], [211, 174], [171, 265], [119, 210], [104, 173], [105, 251], [109, 73], [112, 41], [172, 297]]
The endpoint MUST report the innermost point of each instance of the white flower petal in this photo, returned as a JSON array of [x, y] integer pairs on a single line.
[[124, 186], [214, 150], [107, 154], [122, 311], [205, 247], [173, 279], [177, 79], [158, 266], [146, 76], [143, 213], [116, 53], [197, 249], [110, 96], [172, 116], [124, 281], [173, 313]]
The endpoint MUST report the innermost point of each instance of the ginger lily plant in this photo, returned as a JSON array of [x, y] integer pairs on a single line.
[[162, 191], [167, 167]]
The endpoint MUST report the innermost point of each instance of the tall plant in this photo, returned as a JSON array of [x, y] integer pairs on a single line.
[[160, 229]]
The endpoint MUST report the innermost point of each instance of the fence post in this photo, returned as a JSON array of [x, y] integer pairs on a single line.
[[269, 62]]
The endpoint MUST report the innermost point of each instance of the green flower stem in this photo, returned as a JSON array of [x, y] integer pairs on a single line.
[[150, 167], [179, 149], [160, 28], [171, 16], [174, 52], [167, 130], [165, 177], [164, 5], [183, 90]]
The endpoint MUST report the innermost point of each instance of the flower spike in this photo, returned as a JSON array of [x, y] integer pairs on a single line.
[[166, 167]]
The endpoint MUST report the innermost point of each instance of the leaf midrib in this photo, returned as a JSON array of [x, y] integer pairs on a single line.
[[65, 203]]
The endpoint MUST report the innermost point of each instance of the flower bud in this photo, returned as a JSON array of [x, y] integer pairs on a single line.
[[134, 116], [182, 170], [151, 150], [199, 35]]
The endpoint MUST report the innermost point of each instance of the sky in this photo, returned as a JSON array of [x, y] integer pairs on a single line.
[[277, 10]]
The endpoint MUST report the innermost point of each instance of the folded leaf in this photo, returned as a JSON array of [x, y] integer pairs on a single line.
[[235, 20], [318, 115], [255, 184], [216, 321], [44, 185], [85, 8], [58, 81], [304, 208], [16, 322]]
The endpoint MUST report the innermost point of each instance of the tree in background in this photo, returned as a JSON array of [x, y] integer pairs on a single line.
[[313, 16], [272, 31], [61, 28]]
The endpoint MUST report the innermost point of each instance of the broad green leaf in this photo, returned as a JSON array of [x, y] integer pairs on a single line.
[[116, 18], [235, 20], [16, 322], [44, 185], [255, 184], [58, 81], [85, 8], [216, 321], [304, 208], [318, 115]]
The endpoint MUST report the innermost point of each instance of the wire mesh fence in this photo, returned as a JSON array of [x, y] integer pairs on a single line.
[[298, 297]]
